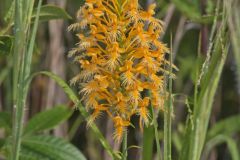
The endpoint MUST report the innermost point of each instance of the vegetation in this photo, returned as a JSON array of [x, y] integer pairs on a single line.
[[133, 97]]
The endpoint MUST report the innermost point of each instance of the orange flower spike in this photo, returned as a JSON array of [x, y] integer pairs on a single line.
[[96, 113], [102, 81], [101, 27], [143, 111], [113, 56], [127, 66], [92, 100], [95, 32], [120, 58], [94, 1], [151, 9], [132, 10], [127, 76], [95, 12], [120, 127], [121, 103], [154, 33], [144, 114]]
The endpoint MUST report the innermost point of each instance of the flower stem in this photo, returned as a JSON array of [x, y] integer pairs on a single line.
[[23, 56], [167, 116], [124, 146], [155, 124]]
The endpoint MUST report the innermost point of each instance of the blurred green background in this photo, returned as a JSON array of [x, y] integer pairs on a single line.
[[185, 20]]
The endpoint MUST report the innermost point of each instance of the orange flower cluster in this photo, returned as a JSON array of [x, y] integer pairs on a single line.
[[121, 59]]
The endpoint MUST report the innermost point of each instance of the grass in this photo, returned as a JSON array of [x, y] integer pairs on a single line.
[[232, 9], [195, 135], [193, 141], [23, 57], [168, 113]]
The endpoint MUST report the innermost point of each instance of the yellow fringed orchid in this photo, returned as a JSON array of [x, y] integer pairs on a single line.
[[121, 58]]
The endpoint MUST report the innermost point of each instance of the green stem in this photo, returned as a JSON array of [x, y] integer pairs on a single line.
[[18, 45], [73, 129], [148, 137], [124, 147], [167, 116], [155, 124], [18, 51], [23, 62], [197, 71], [71, 94]]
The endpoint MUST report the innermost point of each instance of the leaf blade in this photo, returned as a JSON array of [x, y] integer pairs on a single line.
[[6, 43], [5, 120], [50, 12], [52, 148], [226, 127], [48, 119]]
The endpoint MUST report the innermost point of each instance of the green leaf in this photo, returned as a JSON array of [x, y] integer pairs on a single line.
[[195, 135], [52, 148], [177, 141], [48, 119], [50, 12], [71, 94], [227, 126], [191, 11], [187, 8], [148, 140], [10, 13], [27, 154], [2, 142], [217, 140], [5, 120], [232, 8], [4, 73], [5, 44]]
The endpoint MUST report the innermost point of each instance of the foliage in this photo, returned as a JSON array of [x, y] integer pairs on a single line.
[[200, 117]]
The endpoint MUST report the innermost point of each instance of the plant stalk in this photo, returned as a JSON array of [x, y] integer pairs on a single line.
[[168, 114], [124, 147], [155, 124], [23, 57]]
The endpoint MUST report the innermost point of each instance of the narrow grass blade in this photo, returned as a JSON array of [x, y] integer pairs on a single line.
[[226, 126], [195, 137], [233, 7], [232, 146], [22, 64], [157, 140], [71, 94], [124, 147], [49, 147], [148, 137], [48, 119], [72, 131], [168, 115]]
